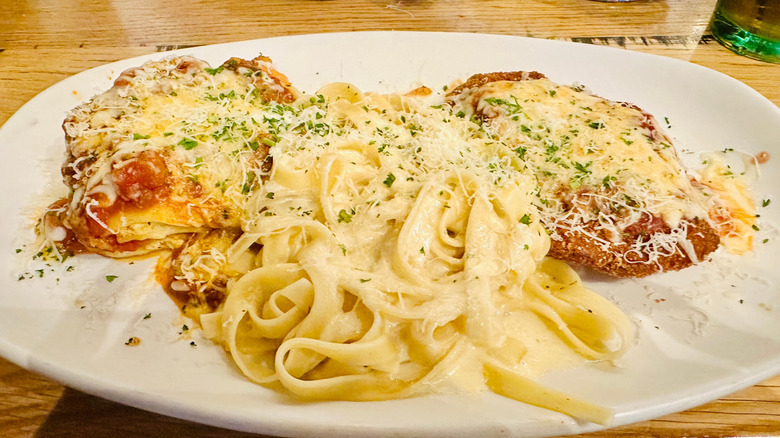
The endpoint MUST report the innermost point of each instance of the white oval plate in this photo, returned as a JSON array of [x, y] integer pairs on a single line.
[[703, 333]]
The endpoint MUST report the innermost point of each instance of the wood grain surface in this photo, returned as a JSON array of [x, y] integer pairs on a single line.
[[43, 42]]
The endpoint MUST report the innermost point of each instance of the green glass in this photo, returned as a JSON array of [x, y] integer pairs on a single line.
[[749, 27]]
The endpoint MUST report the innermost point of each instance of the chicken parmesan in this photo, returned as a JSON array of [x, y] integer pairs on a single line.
[[611, 191]]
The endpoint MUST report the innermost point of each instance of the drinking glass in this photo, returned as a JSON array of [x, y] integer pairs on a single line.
[[749, 27]]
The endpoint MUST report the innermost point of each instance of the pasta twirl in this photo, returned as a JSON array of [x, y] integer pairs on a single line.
[[402, 259]]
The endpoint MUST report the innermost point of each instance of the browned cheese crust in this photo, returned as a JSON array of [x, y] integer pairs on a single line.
[[478, 80]]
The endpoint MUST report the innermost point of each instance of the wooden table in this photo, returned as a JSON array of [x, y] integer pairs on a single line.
[[42, 43]]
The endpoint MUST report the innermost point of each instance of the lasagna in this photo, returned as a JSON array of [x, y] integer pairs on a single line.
[[170, 150]]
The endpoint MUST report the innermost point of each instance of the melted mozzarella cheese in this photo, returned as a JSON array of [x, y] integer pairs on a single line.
[[578, 142]]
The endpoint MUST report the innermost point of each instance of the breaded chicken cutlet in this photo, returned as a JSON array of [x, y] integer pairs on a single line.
[[612, 191]]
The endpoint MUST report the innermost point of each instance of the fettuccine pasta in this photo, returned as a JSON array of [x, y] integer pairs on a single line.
[[394, 252]]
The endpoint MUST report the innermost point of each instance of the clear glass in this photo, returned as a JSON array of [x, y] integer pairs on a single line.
[[749, 27]]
